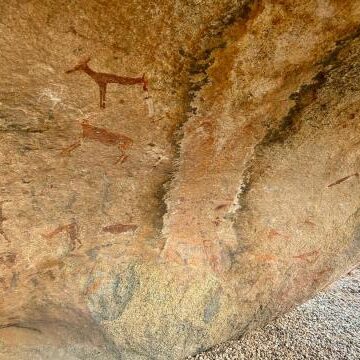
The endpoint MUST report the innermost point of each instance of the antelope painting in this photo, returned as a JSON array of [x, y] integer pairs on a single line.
[[103, 136], [103, 79]]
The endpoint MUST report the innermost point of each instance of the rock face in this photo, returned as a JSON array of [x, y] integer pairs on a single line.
[[153, 216]]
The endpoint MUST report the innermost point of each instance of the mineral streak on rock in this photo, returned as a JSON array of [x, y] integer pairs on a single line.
[[2, 220], [239, 195], [119, 228], [7, 258]]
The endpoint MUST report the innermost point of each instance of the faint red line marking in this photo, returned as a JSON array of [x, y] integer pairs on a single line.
[[343, 179], [309, 257]]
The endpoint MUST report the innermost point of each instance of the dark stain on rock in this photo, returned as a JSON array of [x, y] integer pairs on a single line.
[[214, 40], [93, 252], [307, 94], [354, 244], [105, 194], [112, 296], [2, 220], [291, 124], [12, 127], [212, 306], [160, 197], [34, 282], [14, 280], [119, 228], [339, 72], [332, 58], [7, 258]]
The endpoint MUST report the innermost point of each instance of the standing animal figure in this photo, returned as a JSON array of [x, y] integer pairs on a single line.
[[102, 79], [102, 136]]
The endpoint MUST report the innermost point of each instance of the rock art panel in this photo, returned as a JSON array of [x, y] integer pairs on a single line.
[[187, 212]]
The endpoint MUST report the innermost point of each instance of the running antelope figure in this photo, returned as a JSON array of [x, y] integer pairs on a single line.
[[102, 136], [102, 79]]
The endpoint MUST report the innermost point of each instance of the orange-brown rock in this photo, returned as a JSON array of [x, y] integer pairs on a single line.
[[173, 173]]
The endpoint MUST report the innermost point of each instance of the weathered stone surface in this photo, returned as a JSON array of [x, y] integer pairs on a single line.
[[182, 215]]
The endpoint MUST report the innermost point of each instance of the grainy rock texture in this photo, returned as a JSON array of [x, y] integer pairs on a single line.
[[326, 327], [153, 216]]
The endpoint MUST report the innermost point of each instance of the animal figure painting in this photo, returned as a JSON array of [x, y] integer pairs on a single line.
[[103, 79], [103, 136]]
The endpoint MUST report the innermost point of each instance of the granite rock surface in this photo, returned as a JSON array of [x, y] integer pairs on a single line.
[[173, 173]]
